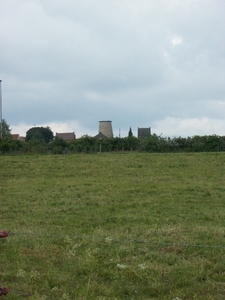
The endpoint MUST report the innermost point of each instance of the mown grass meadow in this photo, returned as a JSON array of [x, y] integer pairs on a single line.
[[113, 226]]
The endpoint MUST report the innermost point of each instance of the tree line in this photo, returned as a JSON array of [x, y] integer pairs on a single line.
[[42, 140]]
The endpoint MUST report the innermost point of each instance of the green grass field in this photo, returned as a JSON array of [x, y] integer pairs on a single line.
[[113, 226]]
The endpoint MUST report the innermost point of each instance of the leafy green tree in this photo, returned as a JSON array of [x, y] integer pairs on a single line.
[[5, 137], [212, 143], [34, 145], [58, 145], [39, 133], [60, 142], [87, 143], [131, 143], [5, 129], [4, 146], [152, 143]]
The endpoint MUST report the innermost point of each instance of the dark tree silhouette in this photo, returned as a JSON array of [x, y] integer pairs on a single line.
[[130, 133], [39, 133], [6, 131]]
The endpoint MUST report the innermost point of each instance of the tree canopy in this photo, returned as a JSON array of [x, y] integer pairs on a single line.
[[40, 140], [5, 128], [39, 133]]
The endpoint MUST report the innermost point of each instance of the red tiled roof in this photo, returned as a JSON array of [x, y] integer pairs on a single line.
[[15, 136]]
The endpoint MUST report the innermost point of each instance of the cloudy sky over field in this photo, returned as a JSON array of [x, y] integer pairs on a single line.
[[68, 64]]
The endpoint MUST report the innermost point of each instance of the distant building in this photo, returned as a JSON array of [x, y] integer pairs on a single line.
[[16, 136], [105, 127], [100, 135], [22, 138], [67, 136], [143, 133]]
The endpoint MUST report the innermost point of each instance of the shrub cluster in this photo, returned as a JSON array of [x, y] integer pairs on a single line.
[[88, 144]]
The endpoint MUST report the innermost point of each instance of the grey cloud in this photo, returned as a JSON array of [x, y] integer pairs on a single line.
[[127, 60]]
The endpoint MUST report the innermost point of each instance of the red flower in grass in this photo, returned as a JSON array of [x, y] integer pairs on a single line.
[[3, 234], [4, 291]]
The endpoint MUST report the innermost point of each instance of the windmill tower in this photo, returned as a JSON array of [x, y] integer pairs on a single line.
[[105, 127]]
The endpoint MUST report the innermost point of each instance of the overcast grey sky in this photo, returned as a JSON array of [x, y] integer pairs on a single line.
[[68, 64]]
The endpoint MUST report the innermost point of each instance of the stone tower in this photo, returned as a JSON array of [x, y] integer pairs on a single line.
[[105, 127]]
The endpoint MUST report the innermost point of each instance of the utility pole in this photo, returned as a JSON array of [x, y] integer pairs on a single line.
[[1, 109]]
